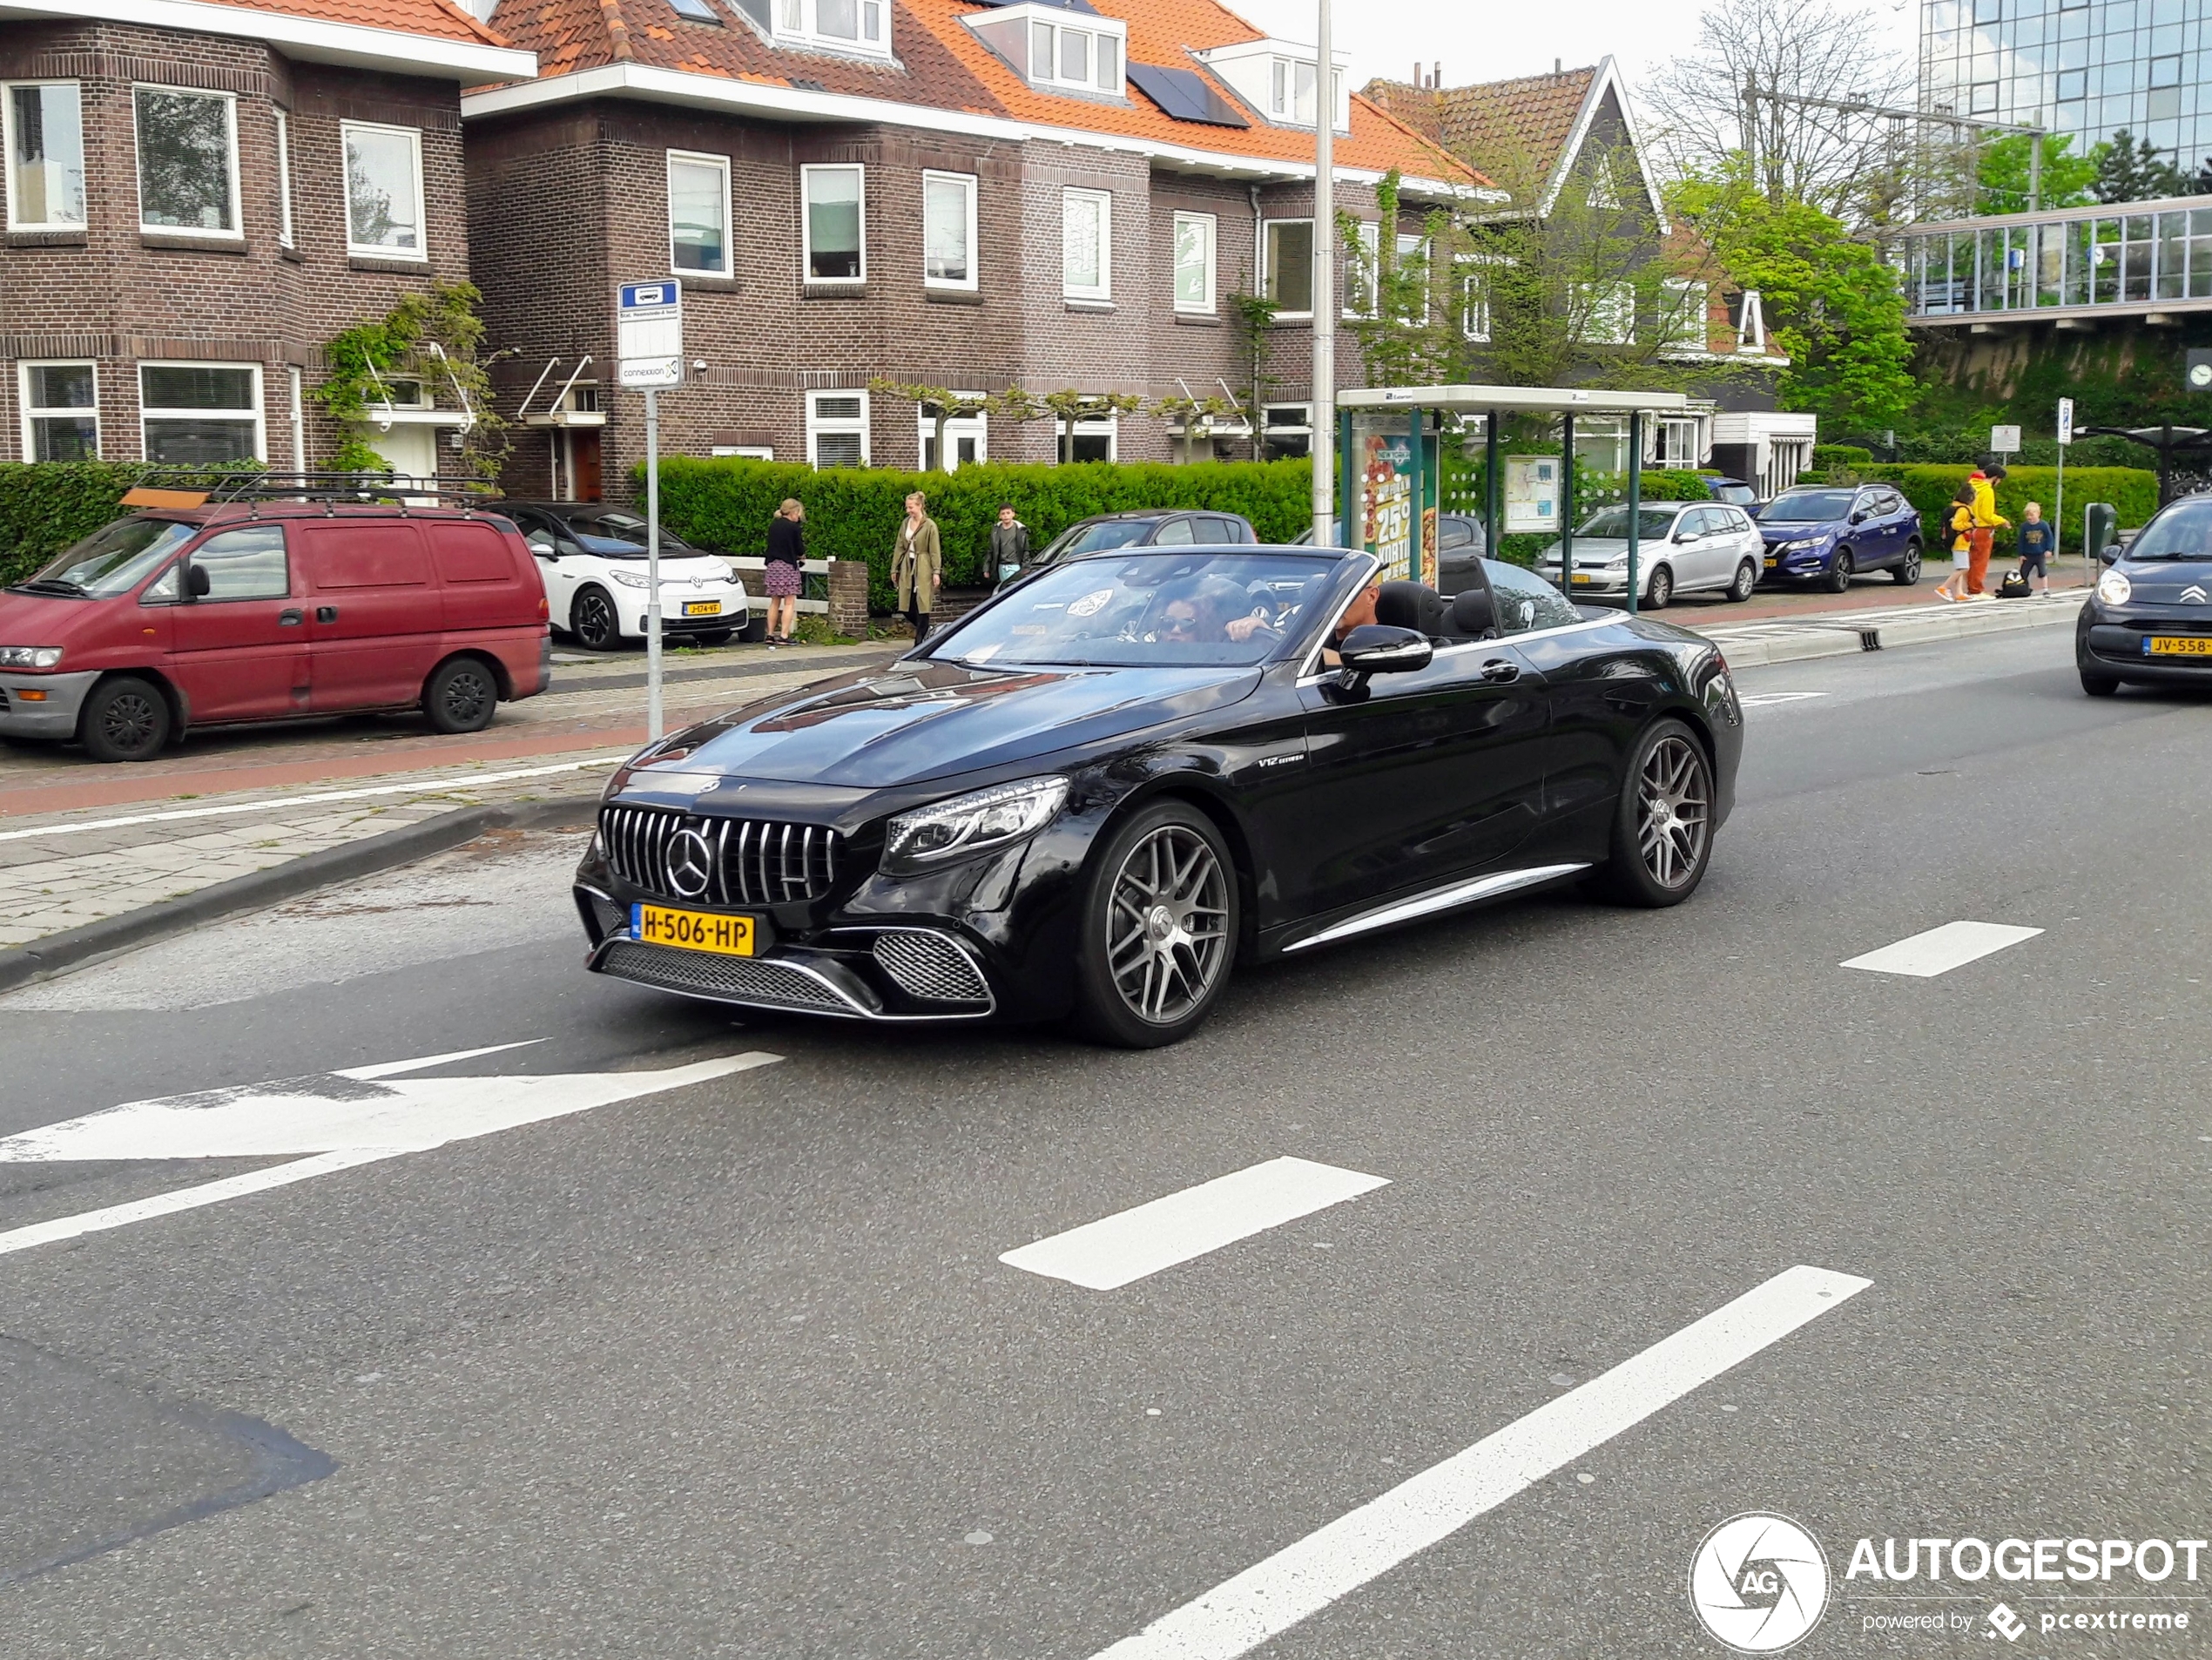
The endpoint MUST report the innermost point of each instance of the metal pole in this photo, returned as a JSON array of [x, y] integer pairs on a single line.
[[652, 566], [1566, 505], [1415, 555], [1494, 492], [1636, 499], [2057, 510], [1325, 266], [2035, 172]]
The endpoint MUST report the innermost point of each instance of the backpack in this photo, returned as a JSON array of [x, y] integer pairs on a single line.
[[2015, 586]]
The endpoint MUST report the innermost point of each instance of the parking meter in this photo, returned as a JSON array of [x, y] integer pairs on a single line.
[[2100, 528]]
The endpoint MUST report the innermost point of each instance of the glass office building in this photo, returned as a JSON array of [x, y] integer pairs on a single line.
[[2085, 67], [2153, 257]]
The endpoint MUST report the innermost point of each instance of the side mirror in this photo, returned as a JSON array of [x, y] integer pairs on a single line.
[[1376, 648], [2111, 555], [197, 583], [1683, 535], [1858, 516]]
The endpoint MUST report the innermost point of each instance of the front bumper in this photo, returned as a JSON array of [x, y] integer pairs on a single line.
[[51, 711], [631, 604], [1805, 566], [2117, 643]]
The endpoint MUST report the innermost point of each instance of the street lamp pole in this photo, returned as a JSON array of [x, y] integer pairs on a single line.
[[1323, 425]]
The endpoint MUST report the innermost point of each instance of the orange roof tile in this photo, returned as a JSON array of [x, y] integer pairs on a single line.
[[1503, 127], [438, 19]]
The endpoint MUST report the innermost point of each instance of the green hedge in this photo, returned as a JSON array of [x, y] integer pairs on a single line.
[[2131, 489], [853, 513], [44, 506], [1841, 456]]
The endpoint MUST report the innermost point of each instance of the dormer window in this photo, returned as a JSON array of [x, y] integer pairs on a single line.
[[1281, 79], [839, 25], [1057, 50]]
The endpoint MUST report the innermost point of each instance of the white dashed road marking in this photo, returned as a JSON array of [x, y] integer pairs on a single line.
[[1113, 1252], [1760, 699], [1940, 950], [1267, 1599], [340, 1119]]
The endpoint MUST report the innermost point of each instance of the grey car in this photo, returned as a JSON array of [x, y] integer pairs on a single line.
[[1682, 548]]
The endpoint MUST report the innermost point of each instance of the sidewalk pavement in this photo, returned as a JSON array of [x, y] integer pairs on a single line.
[[1837, 633]]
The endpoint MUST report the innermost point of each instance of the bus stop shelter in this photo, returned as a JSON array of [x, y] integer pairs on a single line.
[[1388, 489]]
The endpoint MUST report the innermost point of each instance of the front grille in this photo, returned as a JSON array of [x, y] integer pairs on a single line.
[[753, 980], [751, 861], [928, 966]]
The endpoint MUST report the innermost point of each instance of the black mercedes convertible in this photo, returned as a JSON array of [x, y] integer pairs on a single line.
[[1091, 796]]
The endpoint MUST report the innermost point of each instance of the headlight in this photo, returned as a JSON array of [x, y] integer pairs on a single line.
[[627, 578], [2115, 589], [969, 823], [1804, 545], [30, 657]]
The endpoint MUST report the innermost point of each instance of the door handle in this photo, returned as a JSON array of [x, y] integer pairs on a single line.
[[288, 619], [1499, 672], [326, 613]]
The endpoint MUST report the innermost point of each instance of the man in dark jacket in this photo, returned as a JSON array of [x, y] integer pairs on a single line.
[[1009, 542]]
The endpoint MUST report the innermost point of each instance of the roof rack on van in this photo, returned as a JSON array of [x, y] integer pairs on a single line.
[[331, 489]]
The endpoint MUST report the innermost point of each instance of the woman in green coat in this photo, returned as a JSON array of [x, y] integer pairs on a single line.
[[917, 566]]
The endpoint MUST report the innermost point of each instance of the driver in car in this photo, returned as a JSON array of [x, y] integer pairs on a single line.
[[1357, 614], [1209, 611]]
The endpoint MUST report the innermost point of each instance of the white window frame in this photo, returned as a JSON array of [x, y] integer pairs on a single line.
[[284, 179], [1106, 426], [818, 425], [977, 427], [721, 165], [800, 21], [295, 412], [1687, 325], [1093, 29], [419, 255], [1358, 304], [260, 413], [237, 233], [1475, 319], [7, 158], [1624, 295], [1267, 273], [31, 413], [806, 276], [970, 187], [1069, 289], [1211, 226]]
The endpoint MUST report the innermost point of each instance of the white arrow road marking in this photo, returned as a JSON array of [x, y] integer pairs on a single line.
[[342, 1118], [1269, 1598], [1112, 1251]]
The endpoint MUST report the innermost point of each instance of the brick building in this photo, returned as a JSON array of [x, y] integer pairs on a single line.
[[200, 195], [963, 195]]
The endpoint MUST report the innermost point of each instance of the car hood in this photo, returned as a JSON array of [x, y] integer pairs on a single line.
[[1798, 530], [50, 619], [921, 720], [2164, 581], [1597, 549]]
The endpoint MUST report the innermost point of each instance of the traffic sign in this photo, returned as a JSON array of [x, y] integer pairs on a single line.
[[2066, 421], [2005, 440], [649, 334]]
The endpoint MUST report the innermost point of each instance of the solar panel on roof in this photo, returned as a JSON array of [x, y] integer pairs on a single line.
[[1065, 5], [1185, 95], [696, 11]]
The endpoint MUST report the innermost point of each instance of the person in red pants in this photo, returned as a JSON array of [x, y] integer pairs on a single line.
[[1988, 522]]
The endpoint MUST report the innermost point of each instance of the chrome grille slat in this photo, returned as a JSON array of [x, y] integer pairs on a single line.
[[757, 862]]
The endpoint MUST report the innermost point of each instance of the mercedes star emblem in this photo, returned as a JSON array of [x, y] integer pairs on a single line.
[[691, 863]]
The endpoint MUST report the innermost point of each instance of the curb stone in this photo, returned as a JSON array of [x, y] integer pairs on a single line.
[[74, 948], [1752, 645]]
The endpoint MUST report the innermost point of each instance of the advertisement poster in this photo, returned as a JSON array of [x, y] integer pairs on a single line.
[[1532, 493], [1395, 488]]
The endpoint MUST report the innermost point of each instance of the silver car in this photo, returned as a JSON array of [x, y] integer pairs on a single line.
[[1682, 548]]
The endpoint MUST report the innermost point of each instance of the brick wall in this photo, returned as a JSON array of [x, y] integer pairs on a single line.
[[116, 297]]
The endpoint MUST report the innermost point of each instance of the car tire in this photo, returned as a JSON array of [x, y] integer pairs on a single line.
[[124, 719], [1659, 851], [2096, 684], [1840, 570], [1907, 571], [460, 696], [1746, 583], [1659, 590], [594, 621], [1162, 902]]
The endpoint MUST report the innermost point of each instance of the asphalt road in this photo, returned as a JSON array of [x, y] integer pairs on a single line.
[[732, 1368]]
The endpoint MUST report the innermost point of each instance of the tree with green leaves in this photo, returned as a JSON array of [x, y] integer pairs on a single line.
[[1252, 316], [1830, 301], [1195, 412], [940, 404], [2128, 170], [432, 335], [2005, 165], [1402, 322], [1065, 408]]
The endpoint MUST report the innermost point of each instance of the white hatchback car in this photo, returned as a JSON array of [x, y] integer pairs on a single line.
[[1682, 548], [593, 561]]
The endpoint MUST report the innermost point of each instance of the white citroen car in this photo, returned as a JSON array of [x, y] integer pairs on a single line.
[[593, 561]]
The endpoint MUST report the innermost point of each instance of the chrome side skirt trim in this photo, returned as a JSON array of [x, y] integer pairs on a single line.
[[1440, 898]]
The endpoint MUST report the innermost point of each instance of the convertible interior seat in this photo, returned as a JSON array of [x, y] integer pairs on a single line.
[[1414, 605], [1474, 617]]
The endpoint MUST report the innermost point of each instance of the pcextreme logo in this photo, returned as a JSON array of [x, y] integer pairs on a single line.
[[1759, 1583]]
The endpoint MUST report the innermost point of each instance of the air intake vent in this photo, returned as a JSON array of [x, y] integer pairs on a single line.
[[686, 858]]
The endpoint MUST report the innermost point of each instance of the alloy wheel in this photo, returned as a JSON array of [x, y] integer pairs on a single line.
[[1168, 925], [1660, 591], [594, 622], [1675, 813]]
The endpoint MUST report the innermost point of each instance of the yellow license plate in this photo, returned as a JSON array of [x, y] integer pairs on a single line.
[[2178, 645], [1772, 563], [729, 936], [702, 607], [1584, 575]]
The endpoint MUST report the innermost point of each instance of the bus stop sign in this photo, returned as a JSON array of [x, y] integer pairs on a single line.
[[649, 334]]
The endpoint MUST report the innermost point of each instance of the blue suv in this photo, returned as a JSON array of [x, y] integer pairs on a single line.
[[1828, 534]]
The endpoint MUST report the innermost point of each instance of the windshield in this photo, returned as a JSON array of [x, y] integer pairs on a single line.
[[2183, 531], [1149, 611], [1089, 538], [1807, 507], [618, 547], [1652, 522], [114, 559]]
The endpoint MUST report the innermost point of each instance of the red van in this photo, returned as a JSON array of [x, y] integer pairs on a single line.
[[188, 617]]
